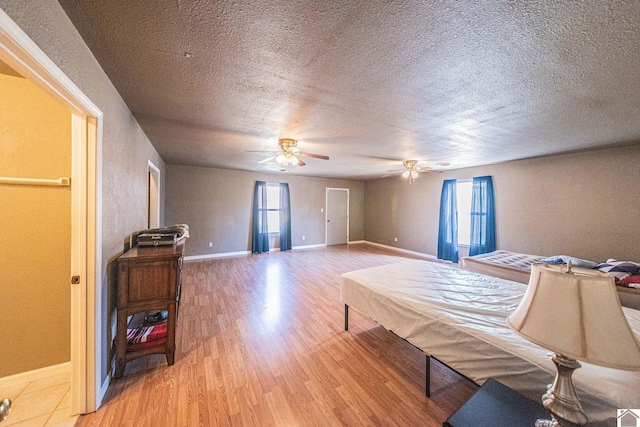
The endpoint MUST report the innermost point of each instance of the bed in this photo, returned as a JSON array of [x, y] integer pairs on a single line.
[[458, 317], [505, 264], [517, 267]]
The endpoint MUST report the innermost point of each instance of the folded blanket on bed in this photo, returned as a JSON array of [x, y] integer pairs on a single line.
[[630, 281], [620, 269], [564, 259]]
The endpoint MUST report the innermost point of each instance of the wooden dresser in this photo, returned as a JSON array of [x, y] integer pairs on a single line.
[[149, 278]]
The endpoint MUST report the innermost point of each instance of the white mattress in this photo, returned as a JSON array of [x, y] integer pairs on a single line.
[[517, 267], [459, 317], [504, 264]]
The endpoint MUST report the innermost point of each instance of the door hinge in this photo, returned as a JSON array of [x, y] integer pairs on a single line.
[[75, 280]]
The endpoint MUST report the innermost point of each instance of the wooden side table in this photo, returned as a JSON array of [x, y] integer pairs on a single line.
[[496, 405], [149, 278]]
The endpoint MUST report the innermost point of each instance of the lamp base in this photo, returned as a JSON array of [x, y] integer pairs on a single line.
[[561, 399]]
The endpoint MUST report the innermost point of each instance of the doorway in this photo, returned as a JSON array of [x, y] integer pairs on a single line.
[[19, 52], [35, 190], [337, 205], [153, 196]]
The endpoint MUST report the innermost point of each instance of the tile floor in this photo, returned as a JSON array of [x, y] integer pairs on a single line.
[[41, 403]]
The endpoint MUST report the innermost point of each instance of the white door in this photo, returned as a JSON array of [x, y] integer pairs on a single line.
[[337, 216]]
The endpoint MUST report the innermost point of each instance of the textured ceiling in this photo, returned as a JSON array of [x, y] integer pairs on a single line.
[[370, 83]]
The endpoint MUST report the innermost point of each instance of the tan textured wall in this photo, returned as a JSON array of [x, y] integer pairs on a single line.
[[581, 204], [35, 225], [217, 203], [125, 148]]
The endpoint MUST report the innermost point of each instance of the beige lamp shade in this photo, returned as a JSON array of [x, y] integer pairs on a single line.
[[577, 315]]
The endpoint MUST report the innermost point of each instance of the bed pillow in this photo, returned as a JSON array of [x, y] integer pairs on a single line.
[[563, 259], [620, 269]]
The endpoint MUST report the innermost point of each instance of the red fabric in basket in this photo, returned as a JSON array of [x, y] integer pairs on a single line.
[[146, 336]]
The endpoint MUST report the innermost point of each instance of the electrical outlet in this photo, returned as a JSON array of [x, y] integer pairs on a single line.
[[304, 237], [395, 239], [210, 244]]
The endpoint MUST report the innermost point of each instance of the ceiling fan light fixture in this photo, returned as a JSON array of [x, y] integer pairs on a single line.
[[290, 155], [411, 172], [410, 164], [287, 144]]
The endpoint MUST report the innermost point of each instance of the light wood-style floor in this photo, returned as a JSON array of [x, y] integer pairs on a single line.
[[261, 342]]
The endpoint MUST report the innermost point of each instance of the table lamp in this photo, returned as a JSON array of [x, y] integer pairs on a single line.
[[576, 314]]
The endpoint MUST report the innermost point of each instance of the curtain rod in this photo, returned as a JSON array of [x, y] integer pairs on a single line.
[[60, 182]]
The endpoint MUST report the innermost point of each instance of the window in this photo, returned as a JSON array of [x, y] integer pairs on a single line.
[[271, 216], [467, 217], [273, 207], [463, 199]]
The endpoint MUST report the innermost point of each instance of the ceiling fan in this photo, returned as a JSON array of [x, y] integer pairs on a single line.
[[410, 170], [290, 154]]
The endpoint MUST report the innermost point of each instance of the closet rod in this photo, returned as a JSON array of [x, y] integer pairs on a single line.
[[60, 182]]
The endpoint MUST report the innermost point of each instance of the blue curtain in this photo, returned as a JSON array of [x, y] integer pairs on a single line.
[[448, 228], [285, 218], [260, 229], [483, 217]]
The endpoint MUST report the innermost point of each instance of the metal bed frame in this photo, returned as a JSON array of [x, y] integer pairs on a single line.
[[427, 382]]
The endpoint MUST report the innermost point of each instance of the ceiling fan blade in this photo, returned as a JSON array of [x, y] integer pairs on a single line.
[[315, 156], [396, 171], [300, 162], [424, 170], [267, 160]]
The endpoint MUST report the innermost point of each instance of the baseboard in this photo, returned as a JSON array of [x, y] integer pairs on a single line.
[[36, 374], [219, 255], [321, 245], [104, 387], [406, 251], [245, 253]]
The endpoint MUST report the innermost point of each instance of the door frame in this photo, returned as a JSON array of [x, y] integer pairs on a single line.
[[22, 54], [326, 213]]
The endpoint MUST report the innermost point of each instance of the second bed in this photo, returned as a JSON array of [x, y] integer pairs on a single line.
[[458, 317]]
